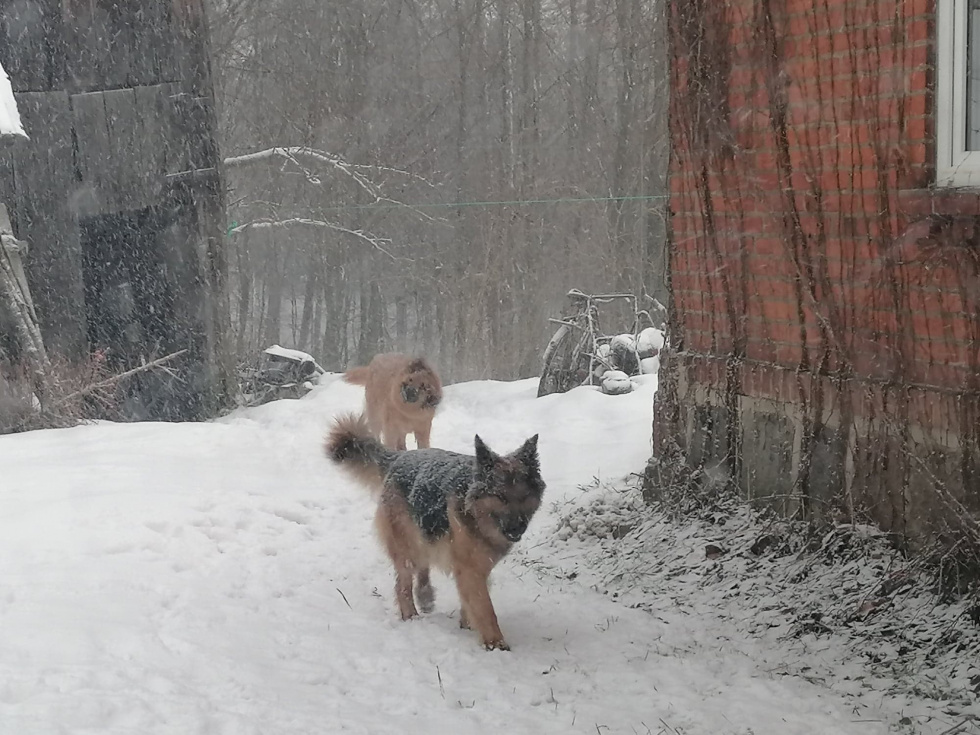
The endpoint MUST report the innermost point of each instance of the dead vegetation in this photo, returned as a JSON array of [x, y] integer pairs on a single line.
[[840, 604], [74, 392]]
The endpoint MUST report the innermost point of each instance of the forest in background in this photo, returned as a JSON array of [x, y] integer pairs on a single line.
[[434, 175]]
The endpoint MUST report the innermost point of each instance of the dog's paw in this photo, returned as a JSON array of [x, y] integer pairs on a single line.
[[497, 645], [426, 597]]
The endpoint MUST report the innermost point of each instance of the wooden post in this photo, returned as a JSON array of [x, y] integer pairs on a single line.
[[17, 307]]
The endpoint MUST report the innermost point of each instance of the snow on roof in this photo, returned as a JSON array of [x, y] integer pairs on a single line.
[[9, 117]]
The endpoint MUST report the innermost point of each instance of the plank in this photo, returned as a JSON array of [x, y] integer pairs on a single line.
[[95, 191], [123, 176], [155, 129], [179, 131], [89, 38], [33, 51], [156, 62]]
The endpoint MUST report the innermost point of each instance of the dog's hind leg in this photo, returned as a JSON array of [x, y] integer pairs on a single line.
[[425, 594]]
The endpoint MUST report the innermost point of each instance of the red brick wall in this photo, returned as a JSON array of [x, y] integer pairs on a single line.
[[806, 240]]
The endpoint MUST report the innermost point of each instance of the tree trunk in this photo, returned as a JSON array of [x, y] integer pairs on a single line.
[[310, 295], [273, 315]]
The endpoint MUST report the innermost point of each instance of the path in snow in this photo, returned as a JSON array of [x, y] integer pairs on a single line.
[[223, 578]]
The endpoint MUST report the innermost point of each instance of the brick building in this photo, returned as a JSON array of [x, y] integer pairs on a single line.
[[825, 256]]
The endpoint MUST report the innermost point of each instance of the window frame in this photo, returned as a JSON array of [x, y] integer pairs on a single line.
[[955, 165]]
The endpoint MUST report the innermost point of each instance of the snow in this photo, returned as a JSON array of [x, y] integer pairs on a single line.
[[616, 382], [224, 578], [650, 341], [9, 116], [650, 365]]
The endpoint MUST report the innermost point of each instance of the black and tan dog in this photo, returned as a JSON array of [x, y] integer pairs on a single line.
[[401, 394], [459, 513]]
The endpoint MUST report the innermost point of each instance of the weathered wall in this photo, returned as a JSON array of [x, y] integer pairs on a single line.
[[119, 190], [825, 299]]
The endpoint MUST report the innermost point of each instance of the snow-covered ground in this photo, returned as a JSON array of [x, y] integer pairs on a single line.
[[224, 578]]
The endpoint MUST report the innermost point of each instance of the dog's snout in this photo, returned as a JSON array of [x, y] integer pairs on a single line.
[[513, 529], [410, 393]]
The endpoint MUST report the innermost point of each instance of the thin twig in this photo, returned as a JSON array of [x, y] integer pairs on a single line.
[[956, 728], [376, 242], [344, 596]]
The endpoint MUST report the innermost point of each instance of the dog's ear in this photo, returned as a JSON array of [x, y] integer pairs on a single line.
[[527, 454], [485, 457], [418, 365]]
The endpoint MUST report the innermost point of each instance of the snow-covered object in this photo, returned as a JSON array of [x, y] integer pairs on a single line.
[[280, 373], [9, 116], [616, 382], [626, 341], [650, 341], [623, 353], [650, 365], [293, 356]]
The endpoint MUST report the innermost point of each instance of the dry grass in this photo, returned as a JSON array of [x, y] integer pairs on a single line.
[[64, 402]]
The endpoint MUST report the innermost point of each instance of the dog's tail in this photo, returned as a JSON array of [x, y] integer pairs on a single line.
[[357, 375], [351, 445]]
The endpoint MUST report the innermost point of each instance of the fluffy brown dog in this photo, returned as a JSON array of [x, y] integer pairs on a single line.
[[401, 394], [437, 508]]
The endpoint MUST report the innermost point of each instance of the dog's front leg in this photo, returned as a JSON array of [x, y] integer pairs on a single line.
[[403, 593], [479, 613], [422, 437]]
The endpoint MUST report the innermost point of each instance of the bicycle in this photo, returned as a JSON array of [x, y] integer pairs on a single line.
[[578, 353]]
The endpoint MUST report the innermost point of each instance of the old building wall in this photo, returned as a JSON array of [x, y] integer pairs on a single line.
[[119, 190], [826, 296]]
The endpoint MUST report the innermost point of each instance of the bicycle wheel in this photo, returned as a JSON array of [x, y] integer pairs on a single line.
[[554, 358]]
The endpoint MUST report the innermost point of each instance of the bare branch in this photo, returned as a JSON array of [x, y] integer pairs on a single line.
[[292, 153], [378, 243], [109, 382], [398, 171]]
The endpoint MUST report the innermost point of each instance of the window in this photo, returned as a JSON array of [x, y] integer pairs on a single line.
[[958, 93]]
